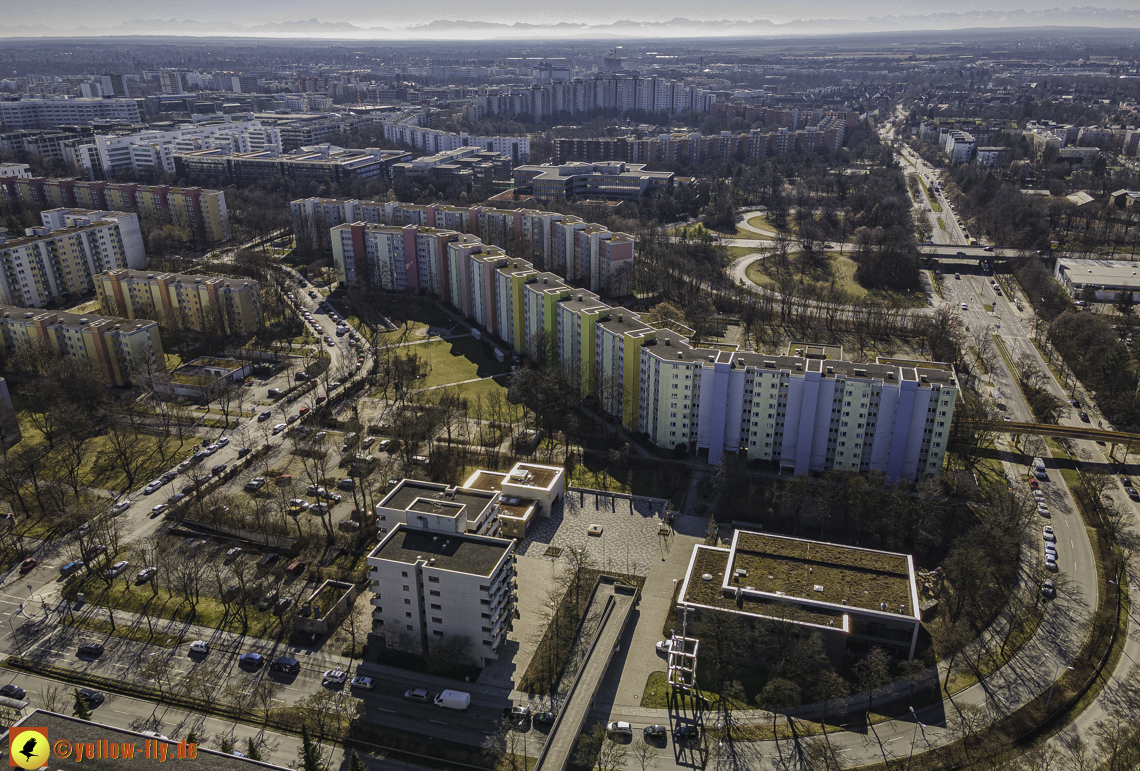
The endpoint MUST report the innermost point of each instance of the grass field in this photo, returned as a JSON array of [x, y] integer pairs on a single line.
[[472, 391], [760, 222], [842, 271], [456, 360], [421, 316]]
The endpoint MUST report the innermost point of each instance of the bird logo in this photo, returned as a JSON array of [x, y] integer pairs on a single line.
[[28, 747]]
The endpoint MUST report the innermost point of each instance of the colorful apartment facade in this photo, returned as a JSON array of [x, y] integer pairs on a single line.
[[202, 211], [62, 257], [124, 351], [202, 303]]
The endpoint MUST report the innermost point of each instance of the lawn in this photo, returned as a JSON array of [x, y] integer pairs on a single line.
[[484, 388], [760, 222], [414, 320], [456, 360], [841, 270]]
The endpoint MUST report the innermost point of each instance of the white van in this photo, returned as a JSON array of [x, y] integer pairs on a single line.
[[458, 700]]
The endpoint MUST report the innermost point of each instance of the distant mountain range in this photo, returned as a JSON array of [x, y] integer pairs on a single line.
[[674, 28]]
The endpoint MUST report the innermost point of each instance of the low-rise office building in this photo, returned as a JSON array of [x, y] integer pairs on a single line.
[[203, 303], [578, 181], [463, 164], [202, 379], [438, 508], [853, 598], [324, 163], [124, 351], [62, 257], [443, 594], [1107, 278]]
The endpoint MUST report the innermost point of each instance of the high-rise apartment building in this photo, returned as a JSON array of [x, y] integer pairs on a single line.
[[202, 211], [124, 351], [435, 591], [203, 303], [573, 248], [394, 258], [62, 257]]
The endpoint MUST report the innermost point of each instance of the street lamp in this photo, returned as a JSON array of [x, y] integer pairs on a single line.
[[1056, 672], [914, 737]]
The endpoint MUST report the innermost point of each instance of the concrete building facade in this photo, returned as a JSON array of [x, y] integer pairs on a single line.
[[202, 303]]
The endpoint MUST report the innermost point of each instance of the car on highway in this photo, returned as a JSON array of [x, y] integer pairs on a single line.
[[92, 697], [13, 691], [146, 574], [1132, 493], [418, 694], [117, 568], [333, 677], [28, 564], [365, 683], [1084, 416], [252, 660], [200, 646], [90, 649]]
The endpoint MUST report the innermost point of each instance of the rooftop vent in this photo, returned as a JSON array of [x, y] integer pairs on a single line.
[[831, 370], [860, 372], [431, 561], [902, 608], [818, 588], [667, 341], [799, 367], [712, 357], [546, 281], [890, 376], [882, 606], [621, 317], [770, 364], [707, 577], [924, 379], [680, 354], [579, 298], [843, 601]]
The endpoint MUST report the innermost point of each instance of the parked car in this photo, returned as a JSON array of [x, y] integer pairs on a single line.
[[279, 428], [121, 506], [264, 416], [333, 677], [1132, 493], [544, 718], [233, 552], [417, 694], [1047, 532], [92, 697], [653, 732], [282, 605], [296, 567], [176, 498], [146, 574], [267, 600], [244, 451], [218, 469], [117, 568], [285, 664], [71, 568], [1084, 416], [200, 646], [365, 683], [252, 660], [152, 487], [91, 649], [267, 560], [28, 564], [158, 509], [620, 728], [683, 733], [255, 484]]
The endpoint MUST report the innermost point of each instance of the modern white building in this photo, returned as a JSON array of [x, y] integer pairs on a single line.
[[63, 257], [65, 111], [439, 508], [440, 593], [22, 170], [959, 147]]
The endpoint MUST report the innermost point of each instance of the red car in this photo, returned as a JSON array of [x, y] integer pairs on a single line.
[[321, 399], [359, 359], [28, 564], [1033, 484], [303, 411]]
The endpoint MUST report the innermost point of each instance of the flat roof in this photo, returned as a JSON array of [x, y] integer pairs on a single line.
[[860, 578], [1103, 272], [474, 555], [486, 480], [408, 490], [184, 278], [28, 315], [713, 561], [538, 476], [76, 730]]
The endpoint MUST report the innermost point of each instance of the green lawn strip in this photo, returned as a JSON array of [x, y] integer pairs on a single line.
[[937, 285], [934, 205], [482, 389], [368, 737], [843, 273], [941, 224], [989, 308], [160, 602], [127, 632], [455, 360], [760, 222]]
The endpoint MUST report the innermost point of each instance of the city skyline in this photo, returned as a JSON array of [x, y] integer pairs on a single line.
[[350, 19]]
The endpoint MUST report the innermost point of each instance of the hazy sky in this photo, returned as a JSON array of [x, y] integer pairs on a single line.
[[101, 13]]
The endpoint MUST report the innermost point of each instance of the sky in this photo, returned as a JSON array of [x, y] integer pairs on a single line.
[[65, 14]]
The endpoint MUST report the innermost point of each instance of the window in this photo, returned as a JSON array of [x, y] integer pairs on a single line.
[[484, 615], [436, 607], [405, 587], [403, 574], [487, 629], [433, 592], [409, 627], [433, 579], [487, 643], [484, 602], [407, 614], [436, 620], [484, 588], [407, 602]]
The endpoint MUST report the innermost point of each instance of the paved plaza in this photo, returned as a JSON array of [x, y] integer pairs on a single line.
[[630, 541]]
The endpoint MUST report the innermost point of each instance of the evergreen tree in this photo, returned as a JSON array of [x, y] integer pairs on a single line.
[[81, 711], [310, 753], [355, 763], [251, 750], [192, 737]]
